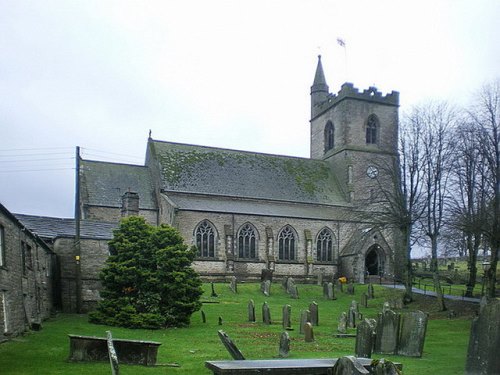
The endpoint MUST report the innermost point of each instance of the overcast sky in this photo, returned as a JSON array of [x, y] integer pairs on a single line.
[[233, 74]]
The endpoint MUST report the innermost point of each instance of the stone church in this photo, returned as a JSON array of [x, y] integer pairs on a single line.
[[247, 211]]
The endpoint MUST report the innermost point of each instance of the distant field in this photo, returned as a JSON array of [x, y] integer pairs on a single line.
[[46, 352]]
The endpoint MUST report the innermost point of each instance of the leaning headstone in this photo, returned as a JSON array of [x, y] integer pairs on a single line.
[[251, 311], [230, 346], [365, 337], [284, 348], [203, 316], [305, 317], [412, 334], [313, 308], [386, 341], [266, 314], [349, 365], [213, 291], [342, 326], [371, 293], [484, 341], [233, 285], [113, 357], [294, 292], [287, 321], [350, 288], [364, 300], [308, 332], [351, 317]]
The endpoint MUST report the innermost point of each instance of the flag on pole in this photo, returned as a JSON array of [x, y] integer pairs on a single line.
[[341, 42]]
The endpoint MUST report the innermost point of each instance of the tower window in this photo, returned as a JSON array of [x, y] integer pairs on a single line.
[[324, 246], [329, 136], [372, 126], [205, 240], [247, 242], [287, 240]]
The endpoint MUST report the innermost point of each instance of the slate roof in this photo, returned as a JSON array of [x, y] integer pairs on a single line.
[[53, 227], [224, 172], [103, 183]]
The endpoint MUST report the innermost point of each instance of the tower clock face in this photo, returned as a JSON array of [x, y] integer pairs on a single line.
[[372, 171]]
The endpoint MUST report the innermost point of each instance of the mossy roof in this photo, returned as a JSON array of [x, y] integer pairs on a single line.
[[224, 172], [103, 183]]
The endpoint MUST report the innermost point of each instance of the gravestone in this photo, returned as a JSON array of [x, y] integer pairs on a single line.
[[294, 292], [365, 338], [484, 341], [266, 314], [342, 326], [251, 311], [305, 317], [330, 291], [384, 367], [284, 283], [351, 317], [412, 334], [113, 358], [265, 287], [349, 365], [308, 332], [371, 293], [354, 305], [203, 316], [320, 278], [284, 348], [350, 288], [290, 284], [233, 284], [313, 308], [230, 346], [213, 291], [364, 300], [220, 320], [386, 341], [325, 290], [287, 312]]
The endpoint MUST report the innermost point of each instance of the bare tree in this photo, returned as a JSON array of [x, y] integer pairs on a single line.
[[485, 113]]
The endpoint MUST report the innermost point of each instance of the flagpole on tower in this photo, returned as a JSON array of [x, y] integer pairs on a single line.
[[341, 42]]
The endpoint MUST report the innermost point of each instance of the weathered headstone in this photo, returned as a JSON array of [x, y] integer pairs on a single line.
[[251, 311], [371, 292], [113, 357], [350, 288], [351, 317], [313, 308], [284, 348], [203, 316], [265, 287], [266, 314], [364, 300], [342, 326], [294, 292], [355, 306], [349, 365], [484, 341], [305, 317], [330, 291], [320, 278], [412, 334], [290, 284], [384, 367], [287, 312], [308, 332], [233, 284], [213, 291], [386, 341], [325, 290], [284, 283], [365, 338], [230, 346]]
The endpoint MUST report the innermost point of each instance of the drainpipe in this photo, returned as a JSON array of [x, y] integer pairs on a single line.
[[78, 273]]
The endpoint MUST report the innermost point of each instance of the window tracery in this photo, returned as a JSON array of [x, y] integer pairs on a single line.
[[286, 242], [205, 240]]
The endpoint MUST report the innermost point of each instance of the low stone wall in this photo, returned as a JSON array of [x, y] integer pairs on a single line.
[[134, 352]]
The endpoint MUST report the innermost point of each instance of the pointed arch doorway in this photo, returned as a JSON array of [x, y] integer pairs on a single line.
[[374, 263]]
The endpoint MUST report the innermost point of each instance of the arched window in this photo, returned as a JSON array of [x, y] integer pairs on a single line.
[[329, 136], [372, 126], [205, 240], [247, 242], [324, 246], [286, 241]]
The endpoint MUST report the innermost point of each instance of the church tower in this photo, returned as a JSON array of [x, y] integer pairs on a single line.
[[357, 132]]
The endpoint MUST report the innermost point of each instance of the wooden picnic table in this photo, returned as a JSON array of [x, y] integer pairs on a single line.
[[280, 366]]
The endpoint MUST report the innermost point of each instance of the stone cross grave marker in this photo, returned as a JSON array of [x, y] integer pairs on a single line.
[[230, 346], [412, 334], [349, 365], [342, 326], [266, 314], [233, 284], [308, 332], [484, 341], [284, 348], [287, 312], [365, 338], [305, 317], [386, 341], [313, 308], [251, 311]]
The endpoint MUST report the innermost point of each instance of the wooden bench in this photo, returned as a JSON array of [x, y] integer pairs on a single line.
[[135, 352], [281, 366]]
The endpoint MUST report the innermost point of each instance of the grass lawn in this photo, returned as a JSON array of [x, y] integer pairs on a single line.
[[46, 352]]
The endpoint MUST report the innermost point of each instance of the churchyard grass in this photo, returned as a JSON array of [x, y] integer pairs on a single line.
[[46, 352]]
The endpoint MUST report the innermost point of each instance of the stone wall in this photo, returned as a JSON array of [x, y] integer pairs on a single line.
[[25, 281]]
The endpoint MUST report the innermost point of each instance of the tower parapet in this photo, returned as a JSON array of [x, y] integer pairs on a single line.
[[348, 91]]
